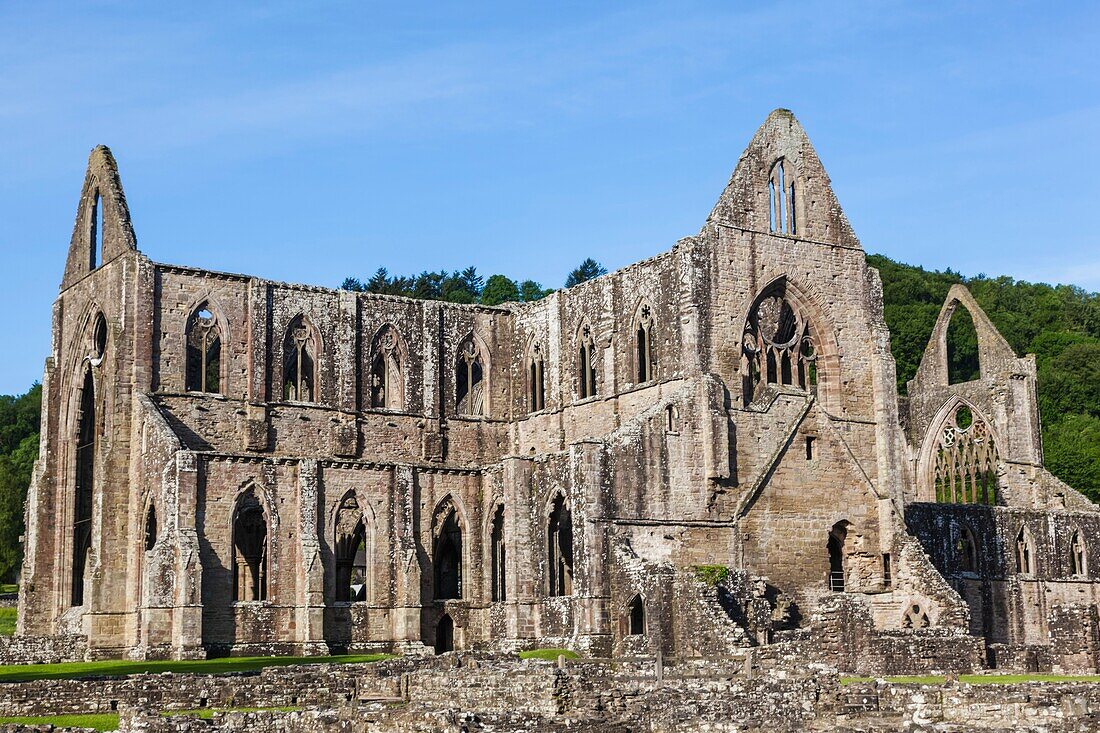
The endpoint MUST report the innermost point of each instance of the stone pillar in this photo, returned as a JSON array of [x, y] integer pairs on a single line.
[[310, 592], [591, 582], [181, 496], [405, 558]]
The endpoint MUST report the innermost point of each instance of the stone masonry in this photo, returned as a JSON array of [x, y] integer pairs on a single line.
[[700, 453]]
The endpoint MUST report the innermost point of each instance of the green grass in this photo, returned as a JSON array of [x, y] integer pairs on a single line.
[[208, 713], [99, 721], [978, 679], [550, 654], [121, 667], [9, 588], [712, 574], [7, 621]]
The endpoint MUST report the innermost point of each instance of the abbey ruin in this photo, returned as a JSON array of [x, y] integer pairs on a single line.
[[702, 453]]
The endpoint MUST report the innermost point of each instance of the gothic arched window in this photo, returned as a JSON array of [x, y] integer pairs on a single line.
[[966, 550], [964, 465], [204, 349], [781, 199], [86, 441], [586, 367], [497, 564], [470, 371], [644, 358], [1078, 560], [249, 549], [350, 550], [536, 381], [387, 381], [560, 548], [300, 348], [636, 611], [1025, 553], [151, 527], [779, 345], [447, 556]]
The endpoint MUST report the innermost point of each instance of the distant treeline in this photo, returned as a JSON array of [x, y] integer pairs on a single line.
[[1059, 324]]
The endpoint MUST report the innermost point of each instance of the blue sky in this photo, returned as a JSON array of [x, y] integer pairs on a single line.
[[312, 141]]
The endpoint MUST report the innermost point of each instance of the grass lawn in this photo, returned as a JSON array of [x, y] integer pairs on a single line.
[[99, 721], [979, 679], [208, 713], [121, 667], [7, 621], [550, 654]]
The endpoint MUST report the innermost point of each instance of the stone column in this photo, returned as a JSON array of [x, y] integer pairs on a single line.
[[310, 592]]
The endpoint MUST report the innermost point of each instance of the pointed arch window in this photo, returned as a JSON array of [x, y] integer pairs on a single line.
[[470, 379], [536, 382], [644, 358], [966, 550], [387, 378], [586, 365], [781, 199], [447, 557], [779, 345], [204, 350], [636, 616], [300, 349], [964, 464], [1078, 558], [352, 569], [497, 563], [86, 442], [95, 232], [1025, 553], [151, 527], [560, 548], [99, 338], [250, 540]]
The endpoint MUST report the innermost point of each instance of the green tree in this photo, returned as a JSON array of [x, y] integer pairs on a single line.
[[499, 289], [586, 271], [530, 291]]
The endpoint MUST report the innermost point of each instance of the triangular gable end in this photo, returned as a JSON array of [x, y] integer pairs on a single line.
[[747, 201], [102, 201]]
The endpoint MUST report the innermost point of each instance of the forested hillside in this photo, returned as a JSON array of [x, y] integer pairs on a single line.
[[1059, 324]]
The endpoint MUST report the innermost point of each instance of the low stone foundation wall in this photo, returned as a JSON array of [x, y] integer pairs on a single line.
[[41, 649]]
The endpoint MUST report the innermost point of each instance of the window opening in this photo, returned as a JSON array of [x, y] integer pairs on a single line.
[[966, 550], [1024, 553], [445, 635], [204, 347], [1077, 556], [536, 386], [964, 470], [644, 345], [586, 386], [963, 364], [560, 536], [151, 528], [249, 549], [469, 380], [498, 588], [915, 618], [448, 558], [85, 476], [778, 346], [350, 552], [637, 616], [387, 384], [781, 199], [300, 368]]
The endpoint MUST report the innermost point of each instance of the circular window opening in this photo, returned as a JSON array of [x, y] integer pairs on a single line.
[[963, 417], [99, 335]]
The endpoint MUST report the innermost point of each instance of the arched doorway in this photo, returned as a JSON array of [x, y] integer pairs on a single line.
[[837, 565], [445, 635]]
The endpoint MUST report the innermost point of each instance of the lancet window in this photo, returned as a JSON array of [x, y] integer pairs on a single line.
[[560, 548], [470, 379], [387, 381], [536, 381], [781, 199], [300, 350], [350, 550], [586, 367], [204, 348], [249, 549]]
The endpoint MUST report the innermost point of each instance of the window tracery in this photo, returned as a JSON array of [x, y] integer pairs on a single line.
[[964, 469], [470, 379], [586, 367], [643, 341], [779, 346], [387, 382], [536, 382], [204, 345], [300, 367]]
